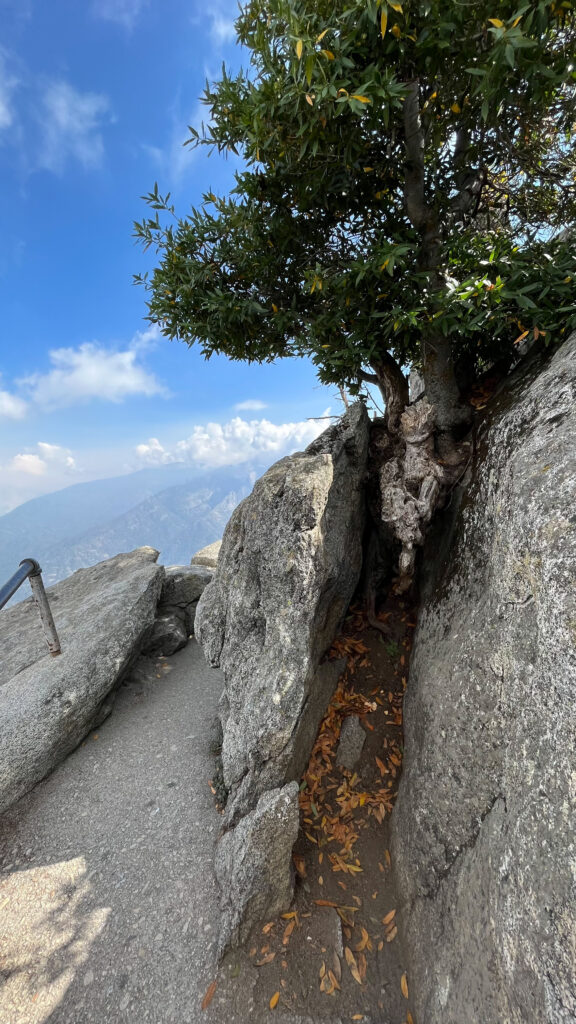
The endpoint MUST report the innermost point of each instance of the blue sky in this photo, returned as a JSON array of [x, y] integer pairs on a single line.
[[95, 98]]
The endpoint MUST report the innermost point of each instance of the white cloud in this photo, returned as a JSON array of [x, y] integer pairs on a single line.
[[29, 463], [71, 124], [90, 371], [56, 455], [153, 454], [8, 84], [12, 407], [227, 444], [250, 405], [47, 456], [123, 12], [222, 28]]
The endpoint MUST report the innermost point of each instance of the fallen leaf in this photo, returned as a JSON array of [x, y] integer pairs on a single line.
[[300, 865], [265, 960], [391, 935], [333, 979], [350, 958], [387, 857], [209, 995], [388, 917], [404, 986], [274, 1000], [325, 903], [409, 1018], [322, 970], [268, 927]]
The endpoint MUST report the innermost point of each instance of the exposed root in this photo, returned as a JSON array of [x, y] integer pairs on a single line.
[[413, 485]]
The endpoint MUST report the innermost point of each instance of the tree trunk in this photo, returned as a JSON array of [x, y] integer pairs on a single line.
[[440, 384]]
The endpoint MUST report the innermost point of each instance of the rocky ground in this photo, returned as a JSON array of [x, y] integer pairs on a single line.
[[336, 954], [107, 899]]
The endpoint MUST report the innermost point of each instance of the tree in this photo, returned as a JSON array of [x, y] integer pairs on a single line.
[[407, 197]]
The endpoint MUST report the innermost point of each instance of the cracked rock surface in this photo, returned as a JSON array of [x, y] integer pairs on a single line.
[[288, 567], [484, 839]]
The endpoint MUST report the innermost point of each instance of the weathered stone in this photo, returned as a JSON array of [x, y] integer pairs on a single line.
[[351, 743], [254, 867], [184, 584], [169, 633], [207, 556], [483, 830], [288, 566], [48, 704]]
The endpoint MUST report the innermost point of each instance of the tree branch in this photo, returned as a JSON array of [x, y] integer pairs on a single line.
[[414, 164]]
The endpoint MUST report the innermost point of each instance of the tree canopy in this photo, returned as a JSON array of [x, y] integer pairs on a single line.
[[407, 194]]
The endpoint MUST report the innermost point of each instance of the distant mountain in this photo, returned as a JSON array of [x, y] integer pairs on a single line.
[[174, 508]]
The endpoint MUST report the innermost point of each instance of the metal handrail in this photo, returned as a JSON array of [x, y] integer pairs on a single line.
[[30, 569]]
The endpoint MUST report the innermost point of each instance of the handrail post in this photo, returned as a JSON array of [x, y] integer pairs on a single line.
[[43, 607]]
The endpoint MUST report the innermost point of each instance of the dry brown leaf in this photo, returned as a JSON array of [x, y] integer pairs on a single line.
[[362, 966], [325, 903], [350, 958], [288, 932], [323, 970], [380, 945], [381, 867], [290, 914], [265, 960], [388, 917], [337, 966], [320, 880], [387, 857], [274, 1000], [268, 927], [364, 941], [300, 865], [404, 986], [209, 995], [333, 979], [409, 1018], [391, 935]]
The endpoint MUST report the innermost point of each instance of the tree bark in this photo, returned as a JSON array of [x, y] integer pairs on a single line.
[[440, 384], [394, 388]]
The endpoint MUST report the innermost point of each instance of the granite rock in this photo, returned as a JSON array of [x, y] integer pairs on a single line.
[[47, 704], [483, 829]]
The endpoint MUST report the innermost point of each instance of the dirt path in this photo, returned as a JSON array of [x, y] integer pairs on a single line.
[[336, 953], [108, 906]]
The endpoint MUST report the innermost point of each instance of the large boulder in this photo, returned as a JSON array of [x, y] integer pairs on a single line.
[[48, 704], [288, 567], [181, 589], [483, 830], [253, 864], [207, 556]]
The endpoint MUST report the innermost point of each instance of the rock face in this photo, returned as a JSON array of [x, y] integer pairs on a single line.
[[47, 705], [182, 587], [483, 830], [289, 563], [207, 556], [254, 865]]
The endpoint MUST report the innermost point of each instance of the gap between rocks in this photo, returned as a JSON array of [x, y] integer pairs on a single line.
[[336, 952]]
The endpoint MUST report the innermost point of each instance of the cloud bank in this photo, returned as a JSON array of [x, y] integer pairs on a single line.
[[227, 444]]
